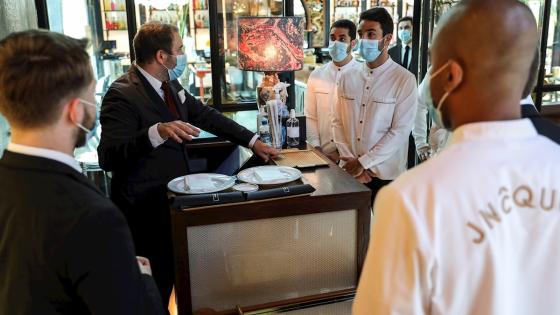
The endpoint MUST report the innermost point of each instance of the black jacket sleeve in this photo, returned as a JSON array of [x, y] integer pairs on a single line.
[[211, 120], [121, 140], [102, 267]]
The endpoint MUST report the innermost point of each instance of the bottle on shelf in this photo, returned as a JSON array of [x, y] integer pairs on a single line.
[[264, 131], [292, 124]]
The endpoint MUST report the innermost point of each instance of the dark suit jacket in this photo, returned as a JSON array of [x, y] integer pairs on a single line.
[[544, 126], [65, 248], [396, 54], [130, 107], [141, 172]]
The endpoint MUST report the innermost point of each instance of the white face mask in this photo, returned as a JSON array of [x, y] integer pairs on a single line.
[[435, 112], [338, 50], [89, 132]]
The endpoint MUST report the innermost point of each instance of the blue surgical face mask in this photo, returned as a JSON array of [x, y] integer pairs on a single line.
[[179, 68], [338, 50], [91, 131], [435, 112], [369, 49], [405, 36]]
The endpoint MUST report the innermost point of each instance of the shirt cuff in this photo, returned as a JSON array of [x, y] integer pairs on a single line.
[[253, 140], [155, 139], [365, 161]]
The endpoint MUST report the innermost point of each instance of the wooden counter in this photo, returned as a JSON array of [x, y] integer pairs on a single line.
[[258, 252]]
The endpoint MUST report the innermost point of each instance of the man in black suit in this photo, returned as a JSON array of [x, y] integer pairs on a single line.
[[544, 126], [64, 248], [402, 52], [146, 117]]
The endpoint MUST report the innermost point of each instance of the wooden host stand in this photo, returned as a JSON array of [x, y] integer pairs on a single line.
[[220, 244]]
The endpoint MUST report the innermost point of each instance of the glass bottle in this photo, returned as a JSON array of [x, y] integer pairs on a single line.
[[293, 130]]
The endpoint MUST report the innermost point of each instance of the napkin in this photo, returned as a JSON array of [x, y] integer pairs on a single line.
[[269, 174], [198, 182]]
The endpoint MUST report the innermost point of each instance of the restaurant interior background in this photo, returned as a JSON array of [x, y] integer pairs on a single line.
[[209, 32]]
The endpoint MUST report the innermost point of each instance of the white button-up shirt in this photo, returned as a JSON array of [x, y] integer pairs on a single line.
[[373, 117], [474, 230], [155, 139], [319, 101]]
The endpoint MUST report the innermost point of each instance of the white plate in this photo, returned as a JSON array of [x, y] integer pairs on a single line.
[[218, 182], [288, 174], [245, 187]]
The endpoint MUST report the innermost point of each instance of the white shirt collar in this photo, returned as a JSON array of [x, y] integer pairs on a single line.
[[45, 153], [528, 100], [494, 130], [377, 71], [154, 82], [335, 67]]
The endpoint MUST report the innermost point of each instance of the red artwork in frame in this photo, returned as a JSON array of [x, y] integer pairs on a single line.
[[270, 44]]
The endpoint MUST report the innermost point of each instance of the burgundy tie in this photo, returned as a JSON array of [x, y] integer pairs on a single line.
[[168, 98]]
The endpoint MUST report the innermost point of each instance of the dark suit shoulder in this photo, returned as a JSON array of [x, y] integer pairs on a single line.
[[546, 128], [394, 52]]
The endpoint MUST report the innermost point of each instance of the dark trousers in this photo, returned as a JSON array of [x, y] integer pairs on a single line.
[[150, 225], [375, 185]]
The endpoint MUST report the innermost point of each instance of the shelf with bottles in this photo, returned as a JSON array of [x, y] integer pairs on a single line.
[[114, 5], [347, 4], [115, 21], [200, 5], [201, 19]]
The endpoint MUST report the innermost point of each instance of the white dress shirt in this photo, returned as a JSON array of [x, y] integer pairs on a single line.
[[438, 136], [155, 138], [319, 101], [373, 117], [45, 153], [474, 230]]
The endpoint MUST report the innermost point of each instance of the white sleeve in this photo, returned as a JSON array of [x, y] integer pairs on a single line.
[[253, 140], [342, 144], [310, 110], [397, 135], [420, 129], [396, 277], [155, 139]]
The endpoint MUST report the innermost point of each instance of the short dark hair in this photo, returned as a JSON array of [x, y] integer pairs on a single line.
[[404, 19], [152, 37], [381, 16], [533, 72], [346, 24], [38, 71]]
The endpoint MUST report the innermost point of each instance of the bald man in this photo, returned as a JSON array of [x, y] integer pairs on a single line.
[[476, 229]]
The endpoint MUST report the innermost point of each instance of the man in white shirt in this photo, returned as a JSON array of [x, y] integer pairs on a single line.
[[427, 143], [375, 108], [321, 87], [402, 52], [475, 229]]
